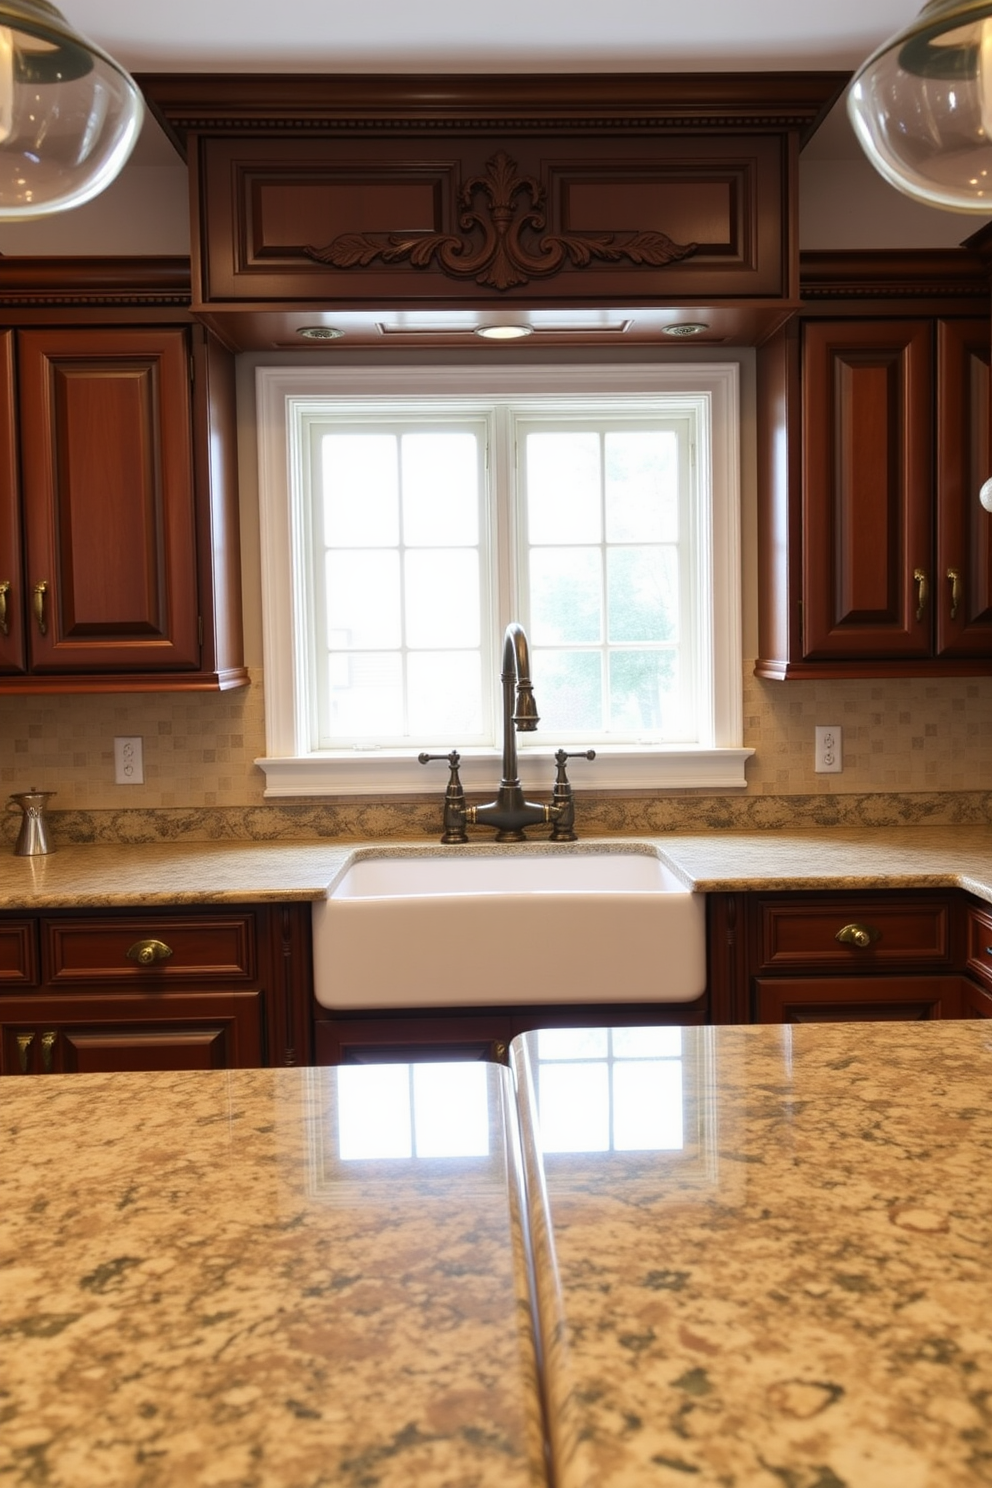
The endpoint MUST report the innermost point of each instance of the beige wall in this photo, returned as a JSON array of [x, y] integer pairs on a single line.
[[199, 749]]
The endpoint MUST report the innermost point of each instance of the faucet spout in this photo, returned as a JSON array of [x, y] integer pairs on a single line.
[[519, 707]]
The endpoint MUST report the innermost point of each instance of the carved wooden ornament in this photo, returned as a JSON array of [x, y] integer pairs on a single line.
[[502, 260]]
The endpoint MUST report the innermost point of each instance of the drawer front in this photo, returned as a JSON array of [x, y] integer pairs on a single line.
[[804, 937], [980, 943], [18, 954], [872, 999], [142, 952]]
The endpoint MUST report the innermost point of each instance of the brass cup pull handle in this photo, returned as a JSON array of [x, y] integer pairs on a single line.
[[147, 952], [38, 602], [861, 936], [922, 591], [47, 1046], [954, 574], [4, 622], [24, 1042]]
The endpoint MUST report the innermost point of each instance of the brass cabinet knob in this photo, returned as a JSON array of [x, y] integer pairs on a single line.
[[954, 574], [922, 591], [48, 1042], [147, 952], [861, 936], [24, 1042]]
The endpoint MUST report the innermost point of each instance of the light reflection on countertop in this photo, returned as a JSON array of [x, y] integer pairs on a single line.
[[800, 1295], [199, 1288]]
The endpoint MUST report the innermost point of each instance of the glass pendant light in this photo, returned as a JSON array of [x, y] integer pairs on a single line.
[[921, 106], [69, 114]]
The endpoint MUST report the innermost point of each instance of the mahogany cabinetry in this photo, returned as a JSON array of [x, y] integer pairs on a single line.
[[119, 553], [474, 1033], [168, 988], [875, 557], [830, 957]]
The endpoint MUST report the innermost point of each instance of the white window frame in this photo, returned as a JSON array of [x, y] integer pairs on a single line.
[[293, 768]]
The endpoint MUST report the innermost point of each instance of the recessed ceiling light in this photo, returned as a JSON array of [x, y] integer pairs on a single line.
[[504, 332], [319, 333], [686, 328]]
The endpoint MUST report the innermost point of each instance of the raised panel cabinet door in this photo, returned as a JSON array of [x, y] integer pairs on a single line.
[[868, 572], [108, 500], [963, 582], [12, 653], [856, 999]]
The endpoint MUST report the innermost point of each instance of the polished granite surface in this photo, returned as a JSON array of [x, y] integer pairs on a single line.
[[245, 872], [211, 1279], [762, 1254], [761, 1259]]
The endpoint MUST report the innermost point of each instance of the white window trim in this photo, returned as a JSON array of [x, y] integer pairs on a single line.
[[291, 769]]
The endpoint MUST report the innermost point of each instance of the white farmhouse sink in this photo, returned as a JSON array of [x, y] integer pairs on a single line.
[[463, 930]]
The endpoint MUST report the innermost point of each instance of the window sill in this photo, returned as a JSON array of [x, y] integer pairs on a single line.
[[389, 772]]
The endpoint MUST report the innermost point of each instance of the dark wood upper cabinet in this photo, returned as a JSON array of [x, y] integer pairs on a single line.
[[874, 419], [413, 207], [119, 531]]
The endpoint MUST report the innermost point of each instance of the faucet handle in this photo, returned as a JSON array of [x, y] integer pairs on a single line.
[[562, 800], [454, 797]]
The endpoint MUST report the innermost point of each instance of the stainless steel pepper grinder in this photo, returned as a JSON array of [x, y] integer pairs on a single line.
[[32, 839]]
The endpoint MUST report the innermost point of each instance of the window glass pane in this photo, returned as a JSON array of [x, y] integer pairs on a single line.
[[361, 490], [574, 1104], [644, 693], [563, 487], [568, 686], [572, 1043], [451, 1110], [365, 694], [440, 489], [445, 690], [374, 1111], [642, 593], [647, 1105], [442, 597], [363, 598], [566, 589], [645, 1043], [642, 486]]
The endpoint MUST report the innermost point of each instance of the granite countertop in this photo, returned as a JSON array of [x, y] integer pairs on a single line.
[[761, 1259], [199, 1289], [245, 872], [796, 1293]]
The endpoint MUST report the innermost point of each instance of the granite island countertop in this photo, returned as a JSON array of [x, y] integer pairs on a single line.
[[761, 1259], [120, 874]]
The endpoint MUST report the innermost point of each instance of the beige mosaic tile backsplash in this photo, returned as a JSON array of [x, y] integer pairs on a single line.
[[199, 748]]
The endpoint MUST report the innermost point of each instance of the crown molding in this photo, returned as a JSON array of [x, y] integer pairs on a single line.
[[88, 282]]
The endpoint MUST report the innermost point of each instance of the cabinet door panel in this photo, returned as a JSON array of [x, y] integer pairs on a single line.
[[963, 595], [108, 498], [803, 936], [220, 947], [60, 1035], [863, 999], [867, 402], [12, 655]]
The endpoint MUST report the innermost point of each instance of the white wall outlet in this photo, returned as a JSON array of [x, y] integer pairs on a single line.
[[129, 767], [829, 749]]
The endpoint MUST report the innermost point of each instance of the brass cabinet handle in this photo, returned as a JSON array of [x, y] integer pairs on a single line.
[[4, 622], [38, 601], [858, 935], [24, 1042], [147, 952], [954, 575], [922, 591], [498, 1050], [47, 1045]]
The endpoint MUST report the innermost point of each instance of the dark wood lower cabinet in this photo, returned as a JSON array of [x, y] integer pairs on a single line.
[[167, 988], [839, 956], [474, 1033]]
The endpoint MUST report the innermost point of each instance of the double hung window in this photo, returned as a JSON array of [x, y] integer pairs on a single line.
[[407, 518]]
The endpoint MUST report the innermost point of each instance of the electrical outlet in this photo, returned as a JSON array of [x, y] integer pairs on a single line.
[[129, 768], [829, 749]]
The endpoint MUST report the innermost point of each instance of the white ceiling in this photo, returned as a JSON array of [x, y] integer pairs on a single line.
[[468, 36], [511, 36]]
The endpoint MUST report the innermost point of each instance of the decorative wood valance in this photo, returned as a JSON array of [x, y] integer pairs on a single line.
[[364, 199]]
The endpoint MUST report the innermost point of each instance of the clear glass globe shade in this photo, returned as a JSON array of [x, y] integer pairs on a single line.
[[921, 107], [69, 115]]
